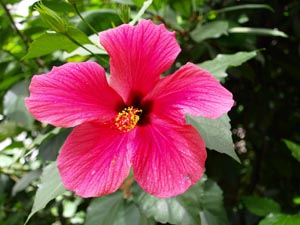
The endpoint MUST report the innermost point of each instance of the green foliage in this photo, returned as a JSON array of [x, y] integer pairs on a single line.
[[50, 42], [261, 206], [221, 63], [115, 210], [14, 106], [50, 188], [214, 29], [294, 148], [216, 133], [222, 37], [280, 219], [201, 204]]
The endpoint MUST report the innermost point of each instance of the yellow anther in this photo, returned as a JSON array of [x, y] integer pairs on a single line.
[[128, 118]]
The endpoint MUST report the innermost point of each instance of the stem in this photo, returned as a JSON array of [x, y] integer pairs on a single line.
[[84, 20]]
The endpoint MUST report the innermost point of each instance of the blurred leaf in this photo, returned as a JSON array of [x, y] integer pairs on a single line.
[[114, 210], [9, 81], [49, 148], [42, 137], [50, 42], [141, 12], [216, 133], [49, 188], [257, 31], [183, 7], [243, 7], [260, 206], [108, 17], [203, 198], [96, 48], [221, 63], [294, 148], [14, 106], [280, 219], [210, 30], [7, 129], [25, 180]]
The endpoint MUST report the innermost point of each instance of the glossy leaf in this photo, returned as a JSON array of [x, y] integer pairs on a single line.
[[202, 202], [49, 188], [260, 206], [210, 30], [115, 210], [218, 66], [294, 148], [280, 219], [216, 133]]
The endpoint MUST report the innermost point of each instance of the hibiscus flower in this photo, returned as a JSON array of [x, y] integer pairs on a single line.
[[134, 119]]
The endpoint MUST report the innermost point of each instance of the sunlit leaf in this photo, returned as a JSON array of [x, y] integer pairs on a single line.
[[257, 31], [213, 29], [218, 66], [50, 42], [294, 148], [280, 219], [244, 7], [49, 188], [115, 210], [216, 133], [260, 206]]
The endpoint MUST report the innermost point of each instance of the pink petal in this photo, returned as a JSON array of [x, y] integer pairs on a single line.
[[94, 160], [169, 158], [138, 55], [190, 90], [71, 94]]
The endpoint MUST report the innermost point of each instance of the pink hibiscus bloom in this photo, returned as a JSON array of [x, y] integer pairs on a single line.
[[134, 119]]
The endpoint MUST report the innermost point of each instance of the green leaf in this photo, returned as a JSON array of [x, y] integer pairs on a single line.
[[50, 147], [108, 18], [8, 129], [25, 180], [219, 65], [244, 7], [213, 29], [294, 148], [280, 219], [182, 6], [204, 198], [50, 42], [14, 105], [257, 31], [114, 210], [260, 206], [50, 188], [216, 133]]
